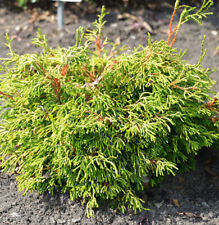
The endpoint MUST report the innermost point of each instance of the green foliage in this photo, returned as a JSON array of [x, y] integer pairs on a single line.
[[188, 12], [94, 121], [23, 3]]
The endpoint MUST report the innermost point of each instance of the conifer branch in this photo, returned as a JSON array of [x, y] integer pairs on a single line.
[[99, 44], [212, 103], [175, 32], [56, 84], [100, 118], [184, 88], [171, 21], [89, 74], [186, 15]]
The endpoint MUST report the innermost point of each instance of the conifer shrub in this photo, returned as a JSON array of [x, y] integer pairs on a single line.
[[94, 121]]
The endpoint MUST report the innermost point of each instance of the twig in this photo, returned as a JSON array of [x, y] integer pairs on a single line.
[[93, 84], [2, 93], [210, 104], [174, 38], [89, 74], [184, 89], [64, 70], [99, 44], [170, 26], [214, 119]]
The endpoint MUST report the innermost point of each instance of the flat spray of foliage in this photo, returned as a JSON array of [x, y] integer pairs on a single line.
[[93, 121]]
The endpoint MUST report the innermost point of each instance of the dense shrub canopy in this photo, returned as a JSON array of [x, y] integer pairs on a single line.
[[95, 121]]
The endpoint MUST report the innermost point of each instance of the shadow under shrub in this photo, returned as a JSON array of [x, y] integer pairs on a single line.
[[94, 121]]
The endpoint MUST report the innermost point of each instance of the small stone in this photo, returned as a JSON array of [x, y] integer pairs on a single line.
[[5, 207], [214, 32], [14, 203], [159, 204], [61, 221], [114, 25], [205, 218], [52, 221], [210, 214], [14, 214], [2, 209], [205, 204], [17, 28], [168, 221], [73, 220], [215, 221]]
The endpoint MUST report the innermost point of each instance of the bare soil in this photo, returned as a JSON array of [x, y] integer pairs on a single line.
[[189, 198]]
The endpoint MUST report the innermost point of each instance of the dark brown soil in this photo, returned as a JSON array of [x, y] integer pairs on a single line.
[[190, 198]]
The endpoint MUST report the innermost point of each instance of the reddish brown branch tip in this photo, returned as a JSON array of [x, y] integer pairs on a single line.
[[175, 30], [64, 70], [170, 26], [8, 96], [99, 44], [210, 104], [184, 88]]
